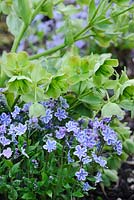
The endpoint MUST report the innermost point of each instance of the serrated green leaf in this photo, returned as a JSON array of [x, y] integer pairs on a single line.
[[36, 110], [39, 74], [111, 109]]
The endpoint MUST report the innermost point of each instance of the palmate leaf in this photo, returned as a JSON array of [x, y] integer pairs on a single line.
[[14, 63], [20, 84], [59, 84], [40, 74]]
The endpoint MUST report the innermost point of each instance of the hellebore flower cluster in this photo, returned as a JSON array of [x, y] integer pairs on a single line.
[[82, 144]]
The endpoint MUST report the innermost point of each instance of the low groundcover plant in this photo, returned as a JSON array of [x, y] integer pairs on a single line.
[[62, 107], [54, 149]]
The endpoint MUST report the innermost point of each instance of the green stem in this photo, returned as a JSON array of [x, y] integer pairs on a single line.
[[15, 101], [25, 26], [57, 48], [76, 37], [48, 52], [115, 15], [17, 39]]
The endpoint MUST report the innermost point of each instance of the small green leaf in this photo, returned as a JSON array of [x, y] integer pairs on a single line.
[[127, 104], [15, 169], [69, 39], [5, 7], [114, 162], [49, 193], [78, 194], [14, 24], [47, 9], [101, 61], [112, 62], [36, 110], [40, 74], [111, 109], [129, 146], [127, 88], [23, 10], [111, 174], [19, 78], [91, 99], [28, 196]]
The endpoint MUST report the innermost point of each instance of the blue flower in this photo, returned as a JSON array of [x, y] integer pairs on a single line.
[[7, 152], [3, 89], [98, 177], [96, 123], [86, 186], [2, 129], [60, 133], [72, 126], [99, 160], [86, 160], [15, 112], [35, 162], [109, 136], [47, 117], [4, 141], [33, 120], [106, 120], [87, 138], [61, 114], [23, 152], [63, 102], [118, 147], [5, 119], [50, 145], [81, 175], [11, 129], [26, 107], [49, 104], [20, 129], [80, 151], [70, 160]]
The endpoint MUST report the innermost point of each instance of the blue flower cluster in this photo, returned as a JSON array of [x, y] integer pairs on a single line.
[[83, 144], [10, 129]]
